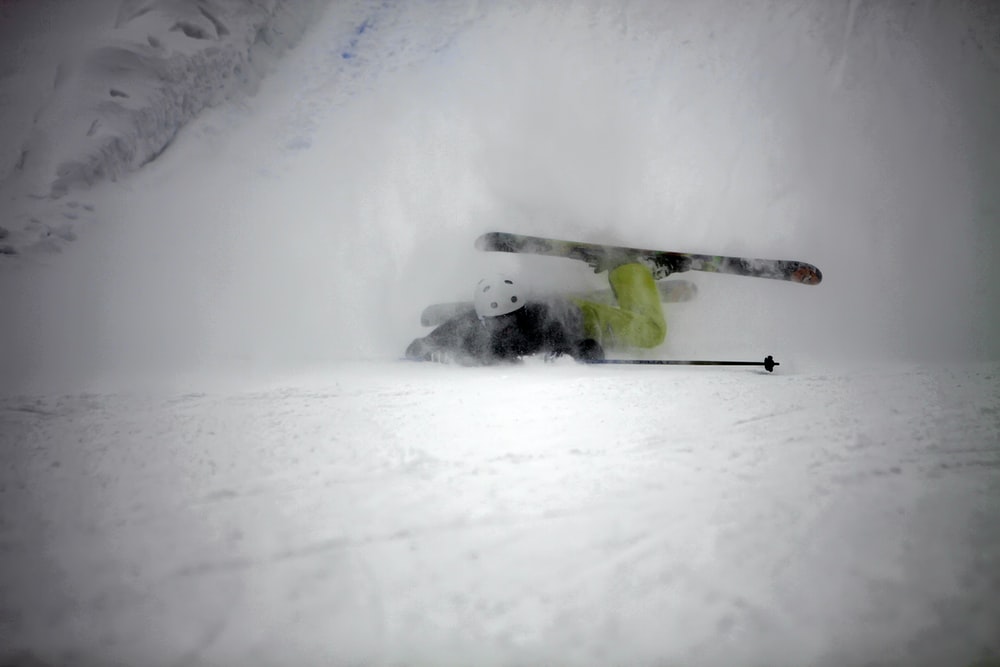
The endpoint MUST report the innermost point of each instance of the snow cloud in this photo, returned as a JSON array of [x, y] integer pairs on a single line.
[[313, 220]]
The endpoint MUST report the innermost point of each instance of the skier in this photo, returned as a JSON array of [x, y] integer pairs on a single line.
[[507, 326]]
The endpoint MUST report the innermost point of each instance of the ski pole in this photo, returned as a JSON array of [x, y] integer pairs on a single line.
[[769, 363]]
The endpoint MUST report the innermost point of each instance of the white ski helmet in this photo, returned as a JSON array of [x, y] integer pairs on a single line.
[[497, 295]]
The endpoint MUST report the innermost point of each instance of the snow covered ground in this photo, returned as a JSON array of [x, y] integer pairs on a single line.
[[211, 455], [549, 514]]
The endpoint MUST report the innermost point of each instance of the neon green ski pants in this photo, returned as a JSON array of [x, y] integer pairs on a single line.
[[637, 321]]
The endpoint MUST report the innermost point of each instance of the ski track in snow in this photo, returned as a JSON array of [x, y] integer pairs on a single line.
[[401, 513]]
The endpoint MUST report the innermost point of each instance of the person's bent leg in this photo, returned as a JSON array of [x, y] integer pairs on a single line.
[[637, 321], [636, 293]]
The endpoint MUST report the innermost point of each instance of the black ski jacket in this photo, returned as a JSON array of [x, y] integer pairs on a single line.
[[553, 327]]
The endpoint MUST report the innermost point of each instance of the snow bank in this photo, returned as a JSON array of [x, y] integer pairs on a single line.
[[120, 96]]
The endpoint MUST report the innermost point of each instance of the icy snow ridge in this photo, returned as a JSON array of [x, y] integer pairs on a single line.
[[119, 103]]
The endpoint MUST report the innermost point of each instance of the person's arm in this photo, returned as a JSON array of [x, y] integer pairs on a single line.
[[561, 340], [588, 349], [461, 339], [563, 334]]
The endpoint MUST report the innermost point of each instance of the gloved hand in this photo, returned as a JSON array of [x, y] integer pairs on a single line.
[[416, 350], [588, 350], [421, 350]]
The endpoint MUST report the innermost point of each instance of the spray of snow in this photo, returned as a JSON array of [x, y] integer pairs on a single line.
[[313, 221]]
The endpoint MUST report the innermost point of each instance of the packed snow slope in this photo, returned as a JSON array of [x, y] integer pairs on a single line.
[[213, 258], [548, 514]]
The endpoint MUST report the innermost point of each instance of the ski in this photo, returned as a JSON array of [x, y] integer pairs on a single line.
[[671, 291], [661, 262]]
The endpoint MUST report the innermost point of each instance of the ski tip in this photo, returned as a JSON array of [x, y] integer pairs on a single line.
[[509, 242], [488, 241], [806, 274]]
